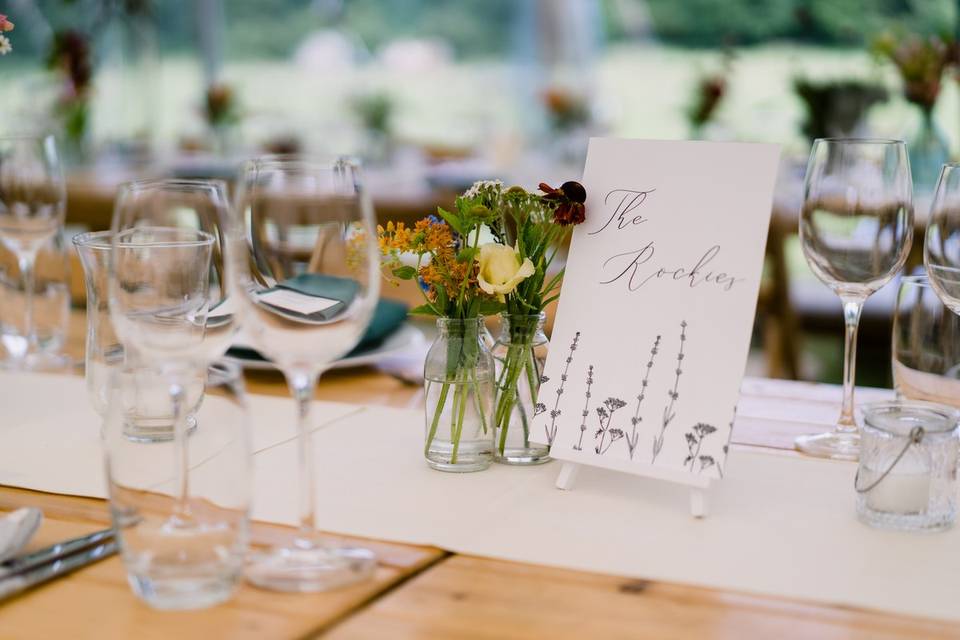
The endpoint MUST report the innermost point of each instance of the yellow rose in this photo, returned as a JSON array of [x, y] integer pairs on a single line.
[[501, 270]]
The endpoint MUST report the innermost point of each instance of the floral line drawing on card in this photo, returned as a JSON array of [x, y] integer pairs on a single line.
[[605, 416], [634, 438], [586, 410], [726, 447], [694, 444], [551, 431], [669, 412]]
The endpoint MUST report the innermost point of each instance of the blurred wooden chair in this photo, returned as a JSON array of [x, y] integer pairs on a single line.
[[779, 326]]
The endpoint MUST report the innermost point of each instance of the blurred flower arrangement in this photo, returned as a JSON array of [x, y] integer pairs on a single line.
[[220, 106], [221, 110], [921, 62], [567, 110], [375, 111], [70, 57], [5, 27], [462, 278], [708, 94], [836, 108]]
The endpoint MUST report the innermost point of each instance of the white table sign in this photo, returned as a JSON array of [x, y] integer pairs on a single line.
[[655, 315]]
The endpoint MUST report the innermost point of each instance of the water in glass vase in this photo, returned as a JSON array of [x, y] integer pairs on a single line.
[[520, 353], [459, 389]]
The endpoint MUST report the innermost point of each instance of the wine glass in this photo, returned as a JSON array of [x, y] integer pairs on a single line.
[[32, 197], [191, 206], [309, 285], [170, 282], [855, 229], [941, 248]]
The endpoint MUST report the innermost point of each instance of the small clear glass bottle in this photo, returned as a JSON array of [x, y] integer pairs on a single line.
[[520, 353], [458, 384]]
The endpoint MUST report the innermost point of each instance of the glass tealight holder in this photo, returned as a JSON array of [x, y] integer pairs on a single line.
[[907, 478]]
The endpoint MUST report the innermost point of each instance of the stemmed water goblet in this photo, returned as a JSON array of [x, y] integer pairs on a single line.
[[941, 248], [309, 284], [32, 197], [856, 227]]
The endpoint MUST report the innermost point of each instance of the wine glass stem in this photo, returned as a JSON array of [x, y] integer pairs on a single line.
[[181, 507], [26, 262], [302, 385], [851, 319]]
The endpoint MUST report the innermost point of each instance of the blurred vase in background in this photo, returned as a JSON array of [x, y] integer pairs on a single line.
[[929, 150], [221, 111], [921, 62], [375, 112]]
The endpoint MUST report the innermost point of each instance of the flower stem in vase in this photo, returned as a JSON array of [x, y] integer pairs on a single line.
[[458, 374], [515, 352], [441, 402]]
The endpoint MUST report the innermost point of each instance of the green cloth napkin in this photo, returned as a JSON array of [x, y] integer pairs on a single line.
[[388, 316]]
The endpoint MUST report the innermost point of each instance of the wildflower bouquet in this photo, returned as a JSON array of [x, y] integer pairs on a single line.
[[533, 227], [458, 374], [463, 279]]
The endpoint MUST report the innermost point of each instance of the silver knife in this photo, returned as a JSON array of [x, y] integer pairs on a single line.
[[30, 578], [56, 551]]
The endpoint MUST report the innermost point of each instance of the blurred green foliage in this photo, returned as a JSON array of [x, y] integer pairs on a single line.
[[476, 28], [711, 23]]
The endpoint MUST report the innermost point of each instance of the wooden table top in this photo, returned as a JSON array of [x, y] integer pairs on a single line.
[[423, 592]]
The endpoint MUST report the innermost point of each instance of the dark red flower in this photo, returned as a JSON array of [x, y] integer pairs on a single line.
[[568, 202], [70, 51]]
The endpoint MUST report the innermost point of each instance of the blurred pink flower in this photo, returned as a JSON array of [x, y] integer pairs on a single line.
[[5, 25]]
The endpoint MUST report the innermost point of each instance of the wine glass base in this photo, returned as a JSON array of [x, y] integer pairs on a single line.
[[310, 570], [838, 445]]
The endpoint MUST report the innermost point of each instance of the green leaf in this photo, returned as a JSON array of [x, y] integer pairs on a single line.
[[423, 310], [467, 254], [451, 220], [490, 307], [405, 272], [442, 300]]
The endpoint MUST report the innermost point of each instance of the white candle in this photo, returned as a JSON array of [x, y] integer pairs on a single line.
[[903, 493]]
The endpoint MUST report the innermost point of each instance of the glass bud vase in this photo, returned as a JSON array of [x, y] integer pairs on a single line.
[[928, 151], [520, 353], [458, 381]]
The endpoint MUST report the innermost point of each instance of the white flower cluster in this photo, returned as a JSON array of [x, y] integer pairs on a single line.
[[5, 46], [483, 185]]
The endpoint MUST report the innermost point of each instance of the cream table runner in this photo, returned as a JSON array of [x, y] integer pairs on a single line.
[[779, 524]]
